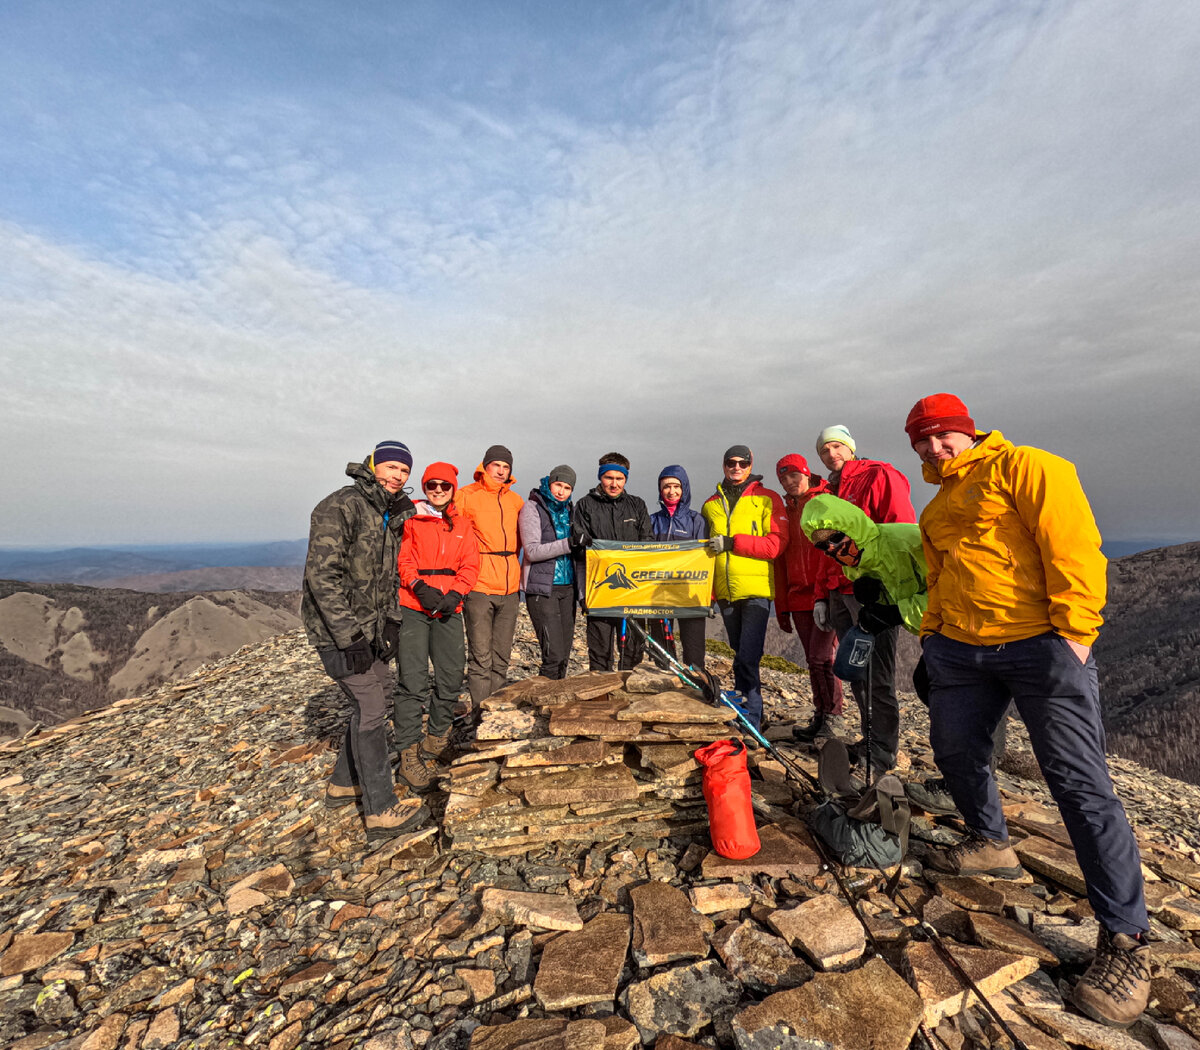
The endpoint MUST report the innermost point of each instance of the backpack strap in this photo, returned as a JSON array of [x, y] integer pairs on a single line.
[[833, 769], [895, 815]]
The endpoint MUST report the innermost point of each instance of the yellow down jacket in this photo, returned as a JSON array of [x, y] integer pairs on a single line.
[[1012, 547]]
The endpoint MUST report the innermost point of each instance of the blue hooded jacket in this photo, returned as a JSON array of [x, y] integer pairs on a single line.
[[685, 523]]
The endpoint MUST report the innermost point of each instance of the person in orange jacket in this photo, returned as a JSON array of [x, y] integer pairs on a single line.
[[491, 608], [798, 572], [439, 564], [1016, 584]]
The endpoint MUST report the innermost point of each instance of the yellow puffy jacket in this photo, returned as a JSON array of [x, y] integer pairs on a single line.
[[759, 527], [1012, 547]]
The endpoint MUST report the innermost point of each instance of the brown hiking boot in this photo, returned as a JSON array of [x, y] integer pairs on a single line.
[[414, 770], [337, 796], [1116, 987], [434, 751], [977, 856], [402, 815]]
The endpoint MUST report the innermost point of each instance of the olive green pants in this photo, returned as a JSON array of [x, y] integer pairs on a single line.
[[425, 639]]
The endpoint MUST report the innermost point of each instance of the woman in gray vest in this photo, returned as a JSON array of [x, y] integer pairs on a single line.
[[547, 575]]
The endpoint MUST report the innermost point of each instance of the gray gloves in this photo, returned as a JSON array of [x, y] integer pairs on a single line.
[[821, 616], [720, 544]]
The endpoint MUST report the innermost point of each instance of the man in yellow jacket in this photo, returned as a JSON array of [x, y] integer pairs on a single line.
[[1016, 585]]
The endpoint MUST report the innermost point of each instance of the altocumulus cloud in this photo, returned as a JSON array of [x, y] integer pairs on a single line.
[[725, 222]]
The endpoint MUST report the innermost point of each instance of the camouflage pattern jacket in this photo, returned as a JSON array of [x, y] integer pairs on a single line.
[[350, 575]]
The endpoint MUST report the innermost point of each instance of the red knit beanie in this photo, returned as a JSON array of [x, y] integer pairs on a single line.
[[937, 414], [790, 462]]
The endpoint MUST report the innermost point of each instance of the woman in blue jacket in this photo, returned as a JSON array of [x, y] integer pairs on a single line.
[[677, 521]]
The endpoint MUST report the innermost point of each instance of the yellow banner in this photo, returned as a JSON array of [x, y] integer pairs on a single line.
[[648, 579]]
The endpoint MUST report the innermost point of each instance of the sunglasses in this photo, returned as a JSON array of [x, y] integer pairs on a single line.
[[831, 542], [438, 486], [737, 464]]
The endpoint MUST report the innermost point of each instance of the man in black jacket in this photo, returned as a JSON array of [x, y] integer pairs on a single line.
[[608, 512], [351, 614]]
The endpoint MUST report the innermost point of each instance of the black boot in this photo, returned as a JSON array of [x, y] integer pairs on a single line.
[[808, 733]]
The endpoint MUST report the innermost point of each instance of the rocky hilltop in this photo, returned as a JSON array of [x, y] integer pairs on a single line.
[[170, 877]]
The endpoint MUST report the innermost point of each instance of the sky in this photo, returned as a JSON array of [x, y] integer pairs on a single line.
[[242, 241]]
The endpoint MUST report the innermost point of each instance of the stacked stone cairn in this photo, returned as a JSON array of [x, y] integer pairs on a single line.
[[586, 759]]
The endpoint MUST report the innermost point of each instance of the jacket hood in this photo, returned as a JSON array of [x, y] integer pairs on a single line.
[[674, 470], [485, 479], [365, 481], [989, 443], [826, 511]]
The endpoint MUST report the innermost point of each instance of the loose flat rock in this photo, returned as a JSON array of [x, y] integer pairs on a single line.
[[942, 990], [674, 708], [550, 1033], [583, 753], [31, 951], [724, 896], [593, 718], [652, 680], [1078, 1030], [1182, 913], [681, 1000], [779, 854], [1051, 860], [620, 1034], [549, 911], [824, 928], [612, 783], [758, 959], [585, 966], [991, 931], [871, 1007], [1073, 943], [506, 725], [666, 928], [969, 893]]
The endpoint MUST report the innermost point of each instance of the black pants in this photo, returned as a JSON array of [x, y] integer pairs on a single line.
[[363, 758], [885, 705], [553, 617], [690, 632], [601, 633]]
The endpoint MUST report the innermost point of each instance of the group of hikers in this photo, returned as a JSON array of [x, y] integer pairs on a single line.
[[1002, 579]]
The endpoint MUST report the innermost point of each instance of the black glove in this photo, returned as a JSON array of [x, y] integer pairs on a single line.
[[878, 618], [720, 544], [921, 681], [358, 654], [429, 597], [389, 641], [449, 603], [579, 541], [867, 590]]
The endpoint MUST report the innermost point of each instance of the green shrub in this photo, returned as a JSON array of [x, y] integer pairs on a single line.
[[718, 648]]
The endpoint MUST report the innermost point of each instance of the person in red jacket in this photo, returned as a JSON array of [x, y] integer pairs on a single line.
[[439, 564], [798, 570], [881, 492]]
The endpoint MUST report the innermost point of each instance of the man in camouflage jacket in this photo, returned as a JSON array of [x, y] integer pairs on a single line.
[[351, 614]]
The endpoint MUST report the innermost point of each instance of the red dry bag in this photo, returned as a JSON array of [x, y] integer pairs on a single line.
[[727, 792]]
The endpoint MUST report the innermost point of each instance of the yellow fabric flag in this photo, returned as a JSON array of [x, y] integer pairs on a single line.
[[648, 579]]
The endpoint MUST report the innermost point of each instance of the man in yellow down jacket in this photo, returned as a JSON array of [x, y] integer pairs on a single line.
[[1016, 585], [748, 527]]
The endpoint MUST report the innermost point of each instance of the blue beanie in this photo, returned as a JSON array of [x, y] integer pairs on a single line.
[[391, 451]]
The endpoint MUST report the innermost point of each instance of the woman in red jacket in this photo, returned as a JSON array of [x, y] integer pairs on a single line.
[[439, 564], [802, 573]]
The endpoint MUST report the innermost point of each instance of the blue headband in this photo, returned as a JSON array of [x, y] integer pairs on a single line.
[[606, 467]]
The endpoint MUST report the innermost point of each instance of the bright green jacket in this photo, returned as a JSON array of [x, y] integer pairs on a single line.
[[891, 553]]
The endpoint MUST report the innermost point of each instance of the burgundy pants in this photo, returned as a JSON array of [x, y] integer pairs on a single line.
[[819, 649]]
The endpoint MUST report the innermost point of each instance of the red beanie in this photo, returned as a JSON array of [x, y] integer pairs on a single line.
[[790, 462], [441, 472], [937, 414]]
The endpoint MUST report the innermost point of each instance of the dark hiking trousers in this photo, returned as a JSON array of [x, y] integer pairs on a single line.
[[423, 639], [746, 628], [819, 648], [602, 632], [491, 621], [1059, 701], [553, 618], [690, 633], [885, 705], [363, 758]]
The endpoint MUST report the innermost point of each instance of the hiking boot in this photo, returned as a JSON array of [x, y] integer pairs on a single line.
[[806, 734], [932, 796], [402, 815], [977, 856], [830, 727], [433, 751], [337, 796], [464, 710], [415, 771], [1116, 987]]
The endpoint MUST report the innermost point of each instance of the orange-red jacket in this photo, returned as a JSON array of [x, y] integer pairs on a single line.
[[803, 575], [1012, 547], [493, 511], [441, 553]]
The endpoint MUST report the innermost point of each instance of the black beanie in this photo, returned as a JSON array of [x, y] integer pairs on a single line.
[[738, 452], [497, 453], [563, 473]]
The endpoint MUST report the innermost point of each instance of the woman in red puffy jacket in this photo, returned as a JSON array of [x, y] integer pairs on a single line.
[[439, 564], [802, 576]]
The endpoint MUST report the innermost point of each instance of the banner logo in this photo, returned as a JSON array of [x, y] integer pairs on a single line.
[[617, 580]]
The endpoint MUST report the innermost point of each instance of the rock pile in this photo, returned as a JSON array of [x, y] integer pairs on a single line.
[[586, 759], [169, 877]]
